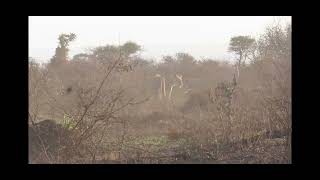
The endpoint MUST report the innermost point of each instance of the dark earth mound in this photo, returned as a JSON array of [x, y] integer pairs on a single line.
[[46, 139]]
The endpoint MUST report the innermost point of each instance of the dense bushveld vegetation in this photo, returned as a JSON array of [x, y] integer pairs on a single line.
[[112, 106]]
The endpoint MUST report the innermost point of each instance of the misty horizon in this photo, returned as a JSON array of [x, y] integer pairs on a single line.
[[201, 37]]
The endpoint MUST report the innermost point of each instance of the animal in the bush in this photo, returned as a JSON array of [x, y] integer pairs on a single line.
[[223, 92]]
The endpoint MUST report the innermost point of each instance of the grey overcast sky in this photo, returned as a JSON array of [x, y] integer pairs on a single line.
[[201, 36]]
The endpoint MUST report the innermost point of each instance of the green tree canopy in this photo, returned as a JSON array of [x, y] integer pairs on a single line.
[[130, 48], [185, 58], [240, 45], [61, 54], [110, 52], [81, 57]]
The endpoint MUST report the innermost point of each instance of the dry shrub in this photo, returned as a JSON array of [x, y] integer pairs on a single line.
[[174, 134], [195, 101], [48, 142]]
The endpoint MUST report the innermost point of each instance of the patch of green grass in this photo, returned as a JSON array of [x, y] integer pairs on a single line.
[[68, 122], [148, 141], [180, 141], [276, 141]]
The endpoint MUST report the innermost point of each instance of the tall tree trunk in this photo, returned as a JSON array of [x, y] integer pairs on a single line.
[[239, 64]]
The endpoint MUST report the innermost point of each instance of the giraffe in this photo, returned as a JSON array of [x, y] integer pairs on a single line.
[[162, 90], [179, 76], [164, 86], [170, 93]]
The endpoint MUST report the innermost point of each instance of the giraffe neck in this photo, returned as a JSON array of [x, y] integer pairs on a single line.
[[164, 87], [171, 91]]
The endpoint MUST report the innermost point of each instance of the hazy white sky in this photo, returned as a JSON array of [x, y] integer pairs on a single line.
[[201, 36]]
